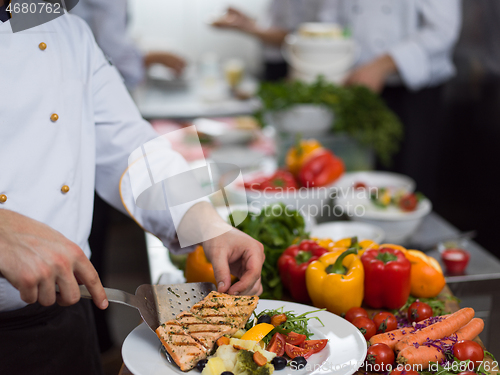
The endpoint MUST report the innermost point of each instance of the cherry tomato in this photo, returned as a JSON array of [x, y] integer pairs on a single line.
[[419, 311], [277, 344], [467, 349], [366, 326], [385, 322], [294, 351], [315, 345], [277, 320], [295, 338], [379, 358], [360, 185], [354, 312], [401, 371], [408, 202]]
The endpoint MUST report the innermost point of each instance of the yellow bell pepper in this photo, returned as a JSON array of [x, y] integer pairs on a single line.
[[299, 154], [199, 269], [427, 279], [347, 242], [336, 281]]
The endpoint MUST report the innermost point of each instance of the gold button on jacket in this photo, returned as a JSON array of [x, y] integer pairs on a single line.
[[3, 198], [54, 117], [65, 189], [42, 46]]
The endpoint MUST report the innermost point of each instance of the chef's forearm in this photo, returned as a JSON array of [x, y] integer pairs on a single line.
[[273, 37]]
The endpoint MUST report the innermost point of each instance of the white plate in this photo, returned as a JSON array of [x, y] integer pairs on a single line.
[[345, 352], [344, 229]]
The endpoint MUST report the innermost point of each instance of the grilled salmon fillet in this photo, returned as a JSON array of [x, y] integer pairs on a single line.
[[207, 332], [191, 336], [184, 349], [233, 310]]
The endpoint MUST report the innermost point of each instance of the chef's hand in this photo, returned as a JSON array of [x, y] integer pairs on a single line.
[[374, 74], [235, 253], [177, 63], [236, 20], [34, 258]]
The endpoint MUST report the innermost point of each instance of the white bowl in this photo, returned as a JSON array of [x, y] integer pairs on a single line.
[[374, 179], [348, 229], [398, 226], [309, 202], [310, 120]]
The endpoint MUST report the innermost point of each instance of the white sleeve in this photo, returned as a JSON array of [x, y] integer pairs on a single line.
[[120, 130], [432, 44], [108, 21]]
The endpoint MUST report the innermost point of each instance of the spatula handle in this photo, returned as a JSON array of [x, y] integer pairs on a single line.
[[113, 295]]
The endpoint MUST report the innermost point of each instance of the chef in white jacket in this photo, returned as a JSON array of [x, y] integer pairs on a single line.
[[67, 125]]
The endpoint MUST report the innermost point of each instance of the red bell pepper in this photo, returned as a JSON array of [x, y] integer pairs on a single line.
[[279, 180], [292, 265], [387, 278], [321, 170]]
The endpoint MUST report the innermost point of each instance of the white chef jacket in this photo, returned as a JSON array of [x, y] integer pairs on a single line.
[[108, 21], [88, 144], [418, 34]]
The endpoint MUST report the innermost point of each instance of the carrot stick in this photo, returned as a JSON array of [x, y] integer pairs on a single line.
[[438, 330], [259, 358], [423, 355], [391, 338], [223, 341]]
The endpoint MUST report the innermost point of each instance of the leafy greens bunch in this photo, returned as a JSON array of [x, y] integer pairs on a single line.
[[276, 227], [359, 112]]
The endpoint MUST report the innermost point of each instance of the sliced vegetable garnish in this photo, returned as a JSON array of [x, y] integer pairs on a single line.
[[258, 332], [295, 338], [315, 345], [277, 344], [294, 351]]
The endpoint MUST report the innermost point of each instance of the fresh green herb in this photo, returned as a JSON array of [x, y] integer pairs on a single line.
[[358, 111], [276, 227], [294, 323]]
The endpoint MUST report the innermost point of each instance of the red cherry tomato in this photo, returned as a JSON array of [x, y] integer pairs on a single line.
[[360, 185], [366, 326], [419, 311], [315, 345], [408, 202], [277, 344], [294, 351], [354, 312], [401, 371], [385, 322], [379, 358], [467, 349], [295, 338]]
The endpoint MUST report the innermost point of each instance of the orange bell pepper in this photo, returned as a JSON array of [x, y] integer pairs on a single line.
[[199, 269], [300, 153]]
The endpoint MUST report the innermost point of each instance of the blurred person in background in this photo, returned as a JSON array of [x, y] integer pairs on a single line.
[[108, 22], [282, 18], [406, 52]]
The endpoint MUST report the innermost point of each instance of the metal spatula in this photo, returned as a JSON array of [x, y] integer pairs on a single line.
[[158, 303]]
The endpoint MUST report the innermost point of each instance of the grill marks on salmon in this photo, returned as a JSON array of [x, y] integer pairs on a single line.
[[192, 335], [235, 311], [184, 349], [205, 331]]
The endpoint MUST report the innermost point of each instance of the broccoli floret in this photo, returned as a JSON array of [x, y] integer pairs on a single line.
[[245, 365]]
